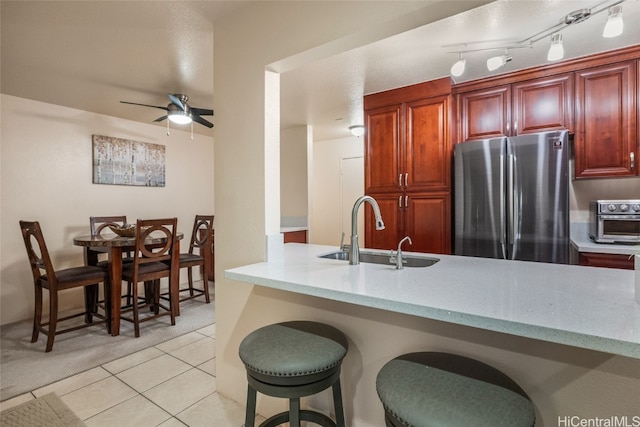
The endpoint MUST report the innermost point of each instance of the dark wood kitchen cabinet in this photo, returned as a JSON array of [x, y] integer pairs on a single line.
[[425, 217], [605, 142], [593, 259], [408, 155], [530, 106]]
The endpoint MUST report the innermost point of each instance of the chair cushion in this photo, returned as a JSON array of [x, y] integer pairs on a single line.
[[82, 273], [105, 263], [191, 258], [152, 267], [440, 389], [293, 349]]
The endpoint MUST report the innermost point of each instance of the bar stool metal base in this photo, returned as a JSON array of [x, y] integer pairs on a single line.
[[294, 392]]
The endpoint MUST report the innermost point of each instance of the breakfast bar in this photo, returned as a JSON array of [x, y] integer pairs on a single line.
[[568, 334], [592, 308]]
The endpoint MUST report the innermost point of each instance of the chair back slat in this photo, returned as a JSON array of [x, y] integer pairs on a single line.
[[99, 223], [38, 253], [155, 228], [202, 234]]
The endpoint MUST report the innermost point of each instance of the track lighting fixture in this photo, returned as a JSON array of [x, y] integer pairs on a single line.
[[556, 51], [614, 25], [458, 68], [613, 28], [496, 62]]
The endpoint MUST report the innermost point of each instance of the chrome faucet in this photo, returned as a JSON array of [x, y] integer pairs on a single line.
[[398, 258], [354, 250]]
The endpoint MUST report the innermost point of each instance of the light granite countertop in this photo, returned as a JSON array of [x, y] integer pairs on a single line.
[[585, 307]]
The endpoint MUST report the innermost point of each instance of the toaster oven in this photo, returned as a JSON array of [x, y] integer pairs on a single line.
[[614, 221]]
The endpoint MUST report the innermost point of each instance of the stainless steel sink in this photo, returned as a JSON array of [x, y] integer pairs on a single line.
[[381, 258]]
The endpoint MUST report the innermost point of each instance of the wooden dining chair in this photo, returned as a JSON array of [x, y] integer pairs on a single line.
[[55, 281], [199, 255], [150, 264], [98, 224]]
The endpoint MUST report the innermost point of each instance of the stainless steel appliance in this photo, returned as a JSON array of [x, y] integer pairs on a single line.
[[512, 198], [614, 221]]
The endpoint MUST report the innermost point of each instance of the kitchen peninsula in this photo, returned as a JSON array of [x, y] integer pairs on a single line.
[[558, 330], [572, 305]]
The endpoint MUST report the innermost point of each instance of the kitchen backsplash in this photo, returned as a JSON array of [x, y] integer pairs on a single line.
[[582, 191]]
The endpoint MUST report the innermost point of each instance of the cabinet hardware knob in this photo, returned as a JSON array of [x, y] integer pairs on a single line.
[[632, 155]]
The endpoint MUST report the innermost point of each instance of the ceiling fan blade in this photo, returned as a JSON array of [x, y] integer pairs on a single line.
[[174, 100], [159, 119], [202, 111], [202, 121], [145, 105]]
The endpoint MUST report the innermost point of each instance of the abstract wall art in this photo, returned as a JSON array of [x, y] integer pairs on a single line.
[[119, 161]]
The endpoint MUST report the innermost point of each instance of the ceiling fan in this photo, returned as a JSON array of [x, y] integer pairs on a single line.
[[179, 111]]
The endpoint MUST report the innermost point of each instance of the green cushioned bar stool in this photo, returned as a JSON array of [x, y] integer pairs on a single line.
[[430, 389], [292, 360]]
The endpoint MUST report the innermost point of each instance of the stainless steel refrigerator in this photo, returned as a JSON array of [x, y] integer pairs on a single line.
[[512, 197]]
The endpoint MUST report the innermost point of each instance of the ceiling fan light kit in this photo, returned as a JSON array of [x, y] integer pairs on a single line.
[[613, 28], [180, 117], [179, 112]]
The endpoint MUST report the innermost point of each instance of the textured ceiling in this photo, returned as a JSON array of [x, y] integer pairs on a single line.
[[91, 54]]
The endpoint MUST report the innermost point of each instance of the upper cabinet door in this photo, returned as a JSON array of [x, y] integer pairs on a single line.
[[542, 105], [383, 150], [485, 113], [605, 140], [428, 148]]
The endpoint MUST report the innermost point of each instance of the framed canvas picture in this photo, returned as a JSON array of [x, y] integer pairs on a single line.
[[119, 161]]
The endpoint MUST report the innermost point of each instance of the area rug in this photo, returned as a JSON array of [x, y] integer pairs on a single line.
[[48, 410]]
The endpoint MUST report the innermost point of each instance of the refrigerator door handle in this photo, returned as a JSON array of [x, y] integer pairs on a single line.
[[503, 220], [511, 201]]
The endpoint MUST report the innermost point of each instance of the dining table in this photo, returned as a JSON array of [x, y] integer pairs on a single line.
[[115, 245]]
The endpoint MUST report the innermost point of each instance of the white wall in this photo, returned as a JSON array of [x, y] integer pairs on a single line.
[[46, 171], [328, 212], [294, 194]]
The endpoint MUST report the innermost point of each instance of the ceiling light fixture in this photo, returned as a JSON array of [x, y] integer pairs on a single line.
[[179, 117], [496, 62], [556, 51], [458, 68], [613, 28], [614, 25], [357, 130]]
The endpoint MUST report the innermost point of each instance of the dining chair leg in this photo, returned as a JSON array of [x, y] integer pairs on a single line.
[[205, 284], [190, 278], [90, 302], [53, 319], [136, 322], [37, 314]]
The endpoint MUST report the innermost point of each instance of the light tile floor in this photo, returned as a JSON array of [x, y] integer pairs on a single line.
[[171, 384]]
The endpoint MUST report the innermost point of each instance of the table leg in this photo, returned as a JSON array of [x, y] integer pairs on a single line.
[[174, 285], [115, 275]]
